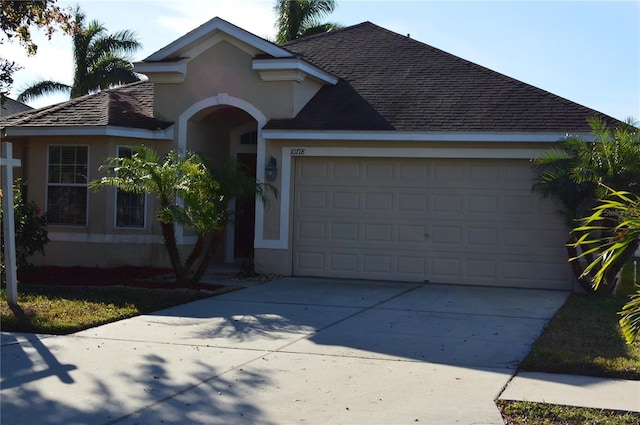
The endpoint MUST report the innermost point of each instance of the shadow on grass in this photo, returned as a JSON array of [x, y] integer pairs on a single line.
[[584, 338], [64, 309]]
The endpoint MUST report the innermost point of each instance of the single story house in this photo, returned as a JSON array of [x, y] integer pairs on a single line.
[[394, 160]]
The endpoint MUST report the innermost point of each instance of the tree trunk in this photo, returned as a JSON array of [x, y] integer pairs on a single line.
[[195, 253], [211, 249], [168, 233], [611, 276], [572, 252]]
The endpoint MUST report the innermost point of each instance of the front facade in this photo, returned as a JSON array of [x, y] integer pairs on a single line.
[[395, 160]]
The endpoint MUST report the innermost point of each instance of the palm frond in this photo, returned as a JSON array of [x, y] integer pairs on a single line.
[[42, 88]]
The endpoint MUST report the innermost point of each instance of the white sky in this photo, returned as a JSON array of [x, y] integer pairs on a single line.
[[585, 51]]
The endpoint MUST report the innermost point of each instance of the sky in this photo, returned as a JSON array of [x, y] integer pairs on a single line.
[[585, 51]]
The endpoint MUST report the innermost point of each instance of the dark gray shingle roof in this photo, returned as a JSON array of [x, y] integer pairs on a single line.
[[9, 106], [129, 106], [392, 82]]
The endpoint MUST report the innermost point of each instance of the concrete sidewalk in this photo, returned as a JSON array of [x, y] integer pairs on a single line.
[[573, 390], [291, 350]]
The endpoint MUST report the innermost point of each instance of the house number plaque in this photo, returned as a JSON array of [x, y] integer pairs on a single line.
[[297, 151]]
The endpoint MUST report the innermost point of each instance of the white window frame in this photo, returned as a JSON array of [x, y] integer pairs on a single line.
[[115, 202], [85, 185]]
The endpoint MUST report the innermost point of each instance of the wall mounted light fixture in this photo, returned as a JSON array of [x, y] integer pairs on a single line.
[[271, 170]]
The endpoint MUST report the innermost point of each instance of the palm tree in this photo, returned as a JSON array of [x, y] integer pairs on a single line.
[[100, 61], [626, 207], [300, 18], [190, 193], [575, 176]]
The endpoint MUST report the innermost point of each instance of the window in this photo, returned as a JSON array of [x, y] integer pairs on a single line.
[[250, 138], [67, 177], [130, 207]]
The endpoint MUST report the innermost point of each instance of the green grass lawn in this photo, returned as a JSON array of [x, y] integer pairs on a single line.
[[59, 310], [529, 413], [583, 338]]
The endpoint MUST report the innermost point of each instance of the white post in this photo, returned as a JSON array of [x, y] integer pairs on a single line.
[[7, 163]]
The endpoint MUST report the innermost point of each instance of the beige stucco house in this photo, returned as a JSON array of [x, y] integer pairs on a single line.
[[395, 160]]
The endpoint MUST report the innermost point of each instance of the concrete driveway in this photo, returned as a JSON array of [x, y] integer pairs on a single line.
[[292, 350]]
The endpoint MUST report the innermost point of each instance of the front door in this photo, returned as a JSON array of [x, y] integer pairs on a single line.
[[245, 213]]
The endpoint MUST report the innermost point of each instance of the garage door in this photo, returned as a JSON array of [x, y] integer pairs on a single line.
[[438, 220]]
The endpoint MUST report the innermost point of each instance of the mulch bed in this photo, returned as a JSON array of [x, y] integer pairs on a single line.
[[140, 277]]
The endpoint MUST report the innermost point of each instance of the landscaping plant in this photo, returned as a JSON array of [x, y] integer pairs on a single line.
[[611, 245], [190, 193], [575, 175], [30, 227]]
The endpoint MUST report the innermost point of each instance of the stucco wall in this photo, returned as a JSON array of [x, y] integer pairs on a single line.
[[224, 68], [100, 242]]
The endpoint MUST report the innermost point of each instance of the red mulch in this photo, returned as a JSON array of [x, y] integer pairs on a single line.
[[141, 277]]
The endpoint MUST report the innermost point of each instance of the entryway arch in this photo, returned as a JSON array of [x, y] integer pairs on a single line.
[[220, 127]]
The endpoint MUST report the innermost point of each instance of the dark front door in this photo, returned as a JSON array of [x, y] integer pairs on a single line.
[[245, 212]]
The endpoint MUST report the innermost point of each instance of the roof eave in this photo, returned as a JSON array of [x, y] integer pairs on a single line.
[[114, 131], [423, 136], [265, 66]]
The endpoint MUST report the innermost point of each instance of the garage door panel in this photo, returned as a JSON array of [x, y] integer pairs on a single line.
[[345, 232], [368, 264], [412, 202], [309, 230], [445, 202], [482, 237], [449, 221], [313, 200], [446, 269], [413, 174], [372, 263], [483, 204], [346, 201], [377, 233], [412, 234], [482, 270], [448, 174], [378, 201], [343, 261], [311, 262]]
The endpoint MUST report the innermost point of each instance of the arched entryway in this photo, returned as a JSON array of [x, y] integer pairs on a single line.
[[223, 129]]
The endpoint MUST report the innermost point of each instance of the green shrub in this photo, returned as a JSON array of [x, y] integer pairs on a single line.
[[30, 227]]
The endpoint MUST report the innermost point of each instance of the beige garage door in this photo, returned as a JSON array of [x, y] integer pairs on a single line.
[[438, 220]]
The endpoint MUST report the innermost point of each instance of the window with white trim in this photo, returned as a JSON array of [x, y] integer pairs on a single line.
[[130, 207], [67, 177]]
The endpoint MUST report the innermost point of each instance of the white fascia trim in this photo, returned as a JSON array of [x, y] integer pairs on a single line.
[[294, 64], [136, 133], [410, 136], [218, 24], [179, 67], [104, 238], [288, 151], [471, 153]]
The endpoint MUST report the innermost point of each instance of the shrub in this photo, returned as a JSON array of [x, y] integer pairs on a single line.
[[30, 227]]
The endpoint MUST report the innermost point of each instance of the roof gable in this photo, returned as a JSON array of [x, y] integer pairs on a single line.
[[391, 82], [169, 64], [211, 29]]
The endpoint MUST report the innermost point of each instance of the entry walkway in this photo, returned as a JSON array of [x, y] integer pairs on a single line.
[[291, 350]]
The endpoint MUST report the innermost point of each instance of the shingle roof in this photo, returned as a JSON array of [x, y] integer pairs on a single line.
[[129, 106], [392, 82], [9, 106]]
